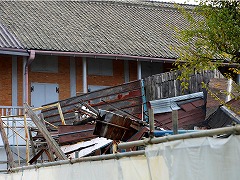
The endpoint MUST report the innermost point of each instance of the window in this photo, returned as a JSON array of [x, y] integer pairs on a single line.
[[45, 64], [100, 67]]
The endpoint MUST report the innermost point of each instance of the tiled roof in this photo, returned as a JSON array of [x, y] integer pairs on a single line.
[[141, 29]]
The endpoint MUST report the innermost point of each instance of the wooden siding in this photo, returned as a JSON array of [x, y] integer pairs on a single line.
[[167, 85]]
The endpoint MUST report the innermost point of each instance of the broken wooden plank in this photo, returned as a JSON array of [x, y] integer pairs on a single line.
[[34, 159], [6, 145], [51, 142]]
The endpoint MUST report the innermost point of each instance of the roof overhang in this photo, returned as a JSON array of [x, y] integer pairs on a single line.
[[14, 52], [107, 56]]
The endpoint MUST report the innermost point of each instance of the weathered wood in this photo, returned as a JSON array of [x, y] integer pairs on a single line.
[[41, 127], [34, 159], [175, 121], [6, 145], [27, 139], [166, 85], [151, 122]]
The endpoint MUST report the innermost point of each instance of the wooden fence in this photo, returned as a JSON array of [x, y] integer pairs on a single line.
[[167, 85]]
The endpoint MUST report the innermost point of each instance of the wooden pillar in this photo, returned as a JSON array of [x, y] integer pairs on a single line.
[[84, 71], [24, 80], [14, 82], [126, 71], [72, 77], [139, 70]]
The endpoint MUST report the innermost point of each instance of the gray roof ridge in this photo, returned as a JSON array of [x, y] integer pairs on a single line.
[[140, 3]]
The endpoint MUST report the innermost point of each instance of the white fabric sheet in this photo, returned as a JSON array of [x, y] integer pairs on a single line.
[[192, 159]]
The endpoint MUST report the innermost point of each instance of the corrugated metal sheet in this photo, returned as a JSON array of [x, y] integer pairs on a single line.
[[95, 27], [8, 40], [186, 120], [169, 104]]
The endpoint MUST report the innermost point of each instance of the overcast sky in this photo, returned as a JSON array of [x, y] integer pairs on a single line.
[[182, 1]]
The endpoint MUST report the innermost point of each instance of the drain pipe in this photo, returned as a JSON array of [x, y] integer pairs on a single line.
[[26, 83]]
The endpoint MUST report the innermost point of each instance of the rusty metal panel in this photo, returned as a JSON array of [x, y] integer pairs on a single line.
[[198, 103], [188, 107], [71, 133], [186, 120], [126, 97]]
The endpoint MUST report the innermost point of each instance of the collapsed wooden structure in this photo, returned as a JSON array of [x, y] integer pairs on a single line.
[[94, 123]]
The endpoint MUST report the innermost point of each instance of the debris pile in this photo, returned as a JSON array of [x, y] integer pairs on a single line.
[[92, 133]]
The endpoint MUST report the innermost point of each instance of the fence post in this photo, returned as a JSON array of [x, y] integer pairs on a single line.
[[175, 121]]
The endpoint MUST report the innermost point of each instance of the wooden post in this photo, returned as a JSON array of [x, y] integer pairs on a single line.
[[27, 139], [114, 147], [175, 121], [42, 128], [6, 145], [151, 122]]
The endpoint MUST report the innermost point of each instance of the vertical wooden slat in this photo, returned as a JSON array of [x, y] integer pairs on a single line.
[[27, 139], [6, 145]]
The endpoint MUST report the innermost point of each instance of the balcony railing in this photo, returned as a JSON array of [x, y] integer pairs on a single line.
[[11, 110]]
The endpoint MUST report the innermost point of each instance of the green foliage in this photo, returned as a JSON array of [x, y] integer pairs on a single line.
[[213, 37]]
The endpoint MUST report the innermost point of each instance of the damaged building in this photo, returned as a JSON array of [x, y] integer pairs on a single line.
[[64, 97]]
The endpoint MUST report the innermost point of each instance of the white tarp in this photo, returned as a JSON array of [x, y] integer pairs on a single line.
[[200, 158]]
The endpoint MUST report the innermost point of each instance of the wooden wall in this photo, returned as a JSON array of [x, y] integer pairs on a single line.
[[166, 85]]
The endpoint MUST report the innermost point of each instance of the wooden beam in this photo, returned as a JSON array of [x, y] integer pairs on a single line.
[[6, 145], [151, 122], [175, 121], [27, 139], [42, 128]]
